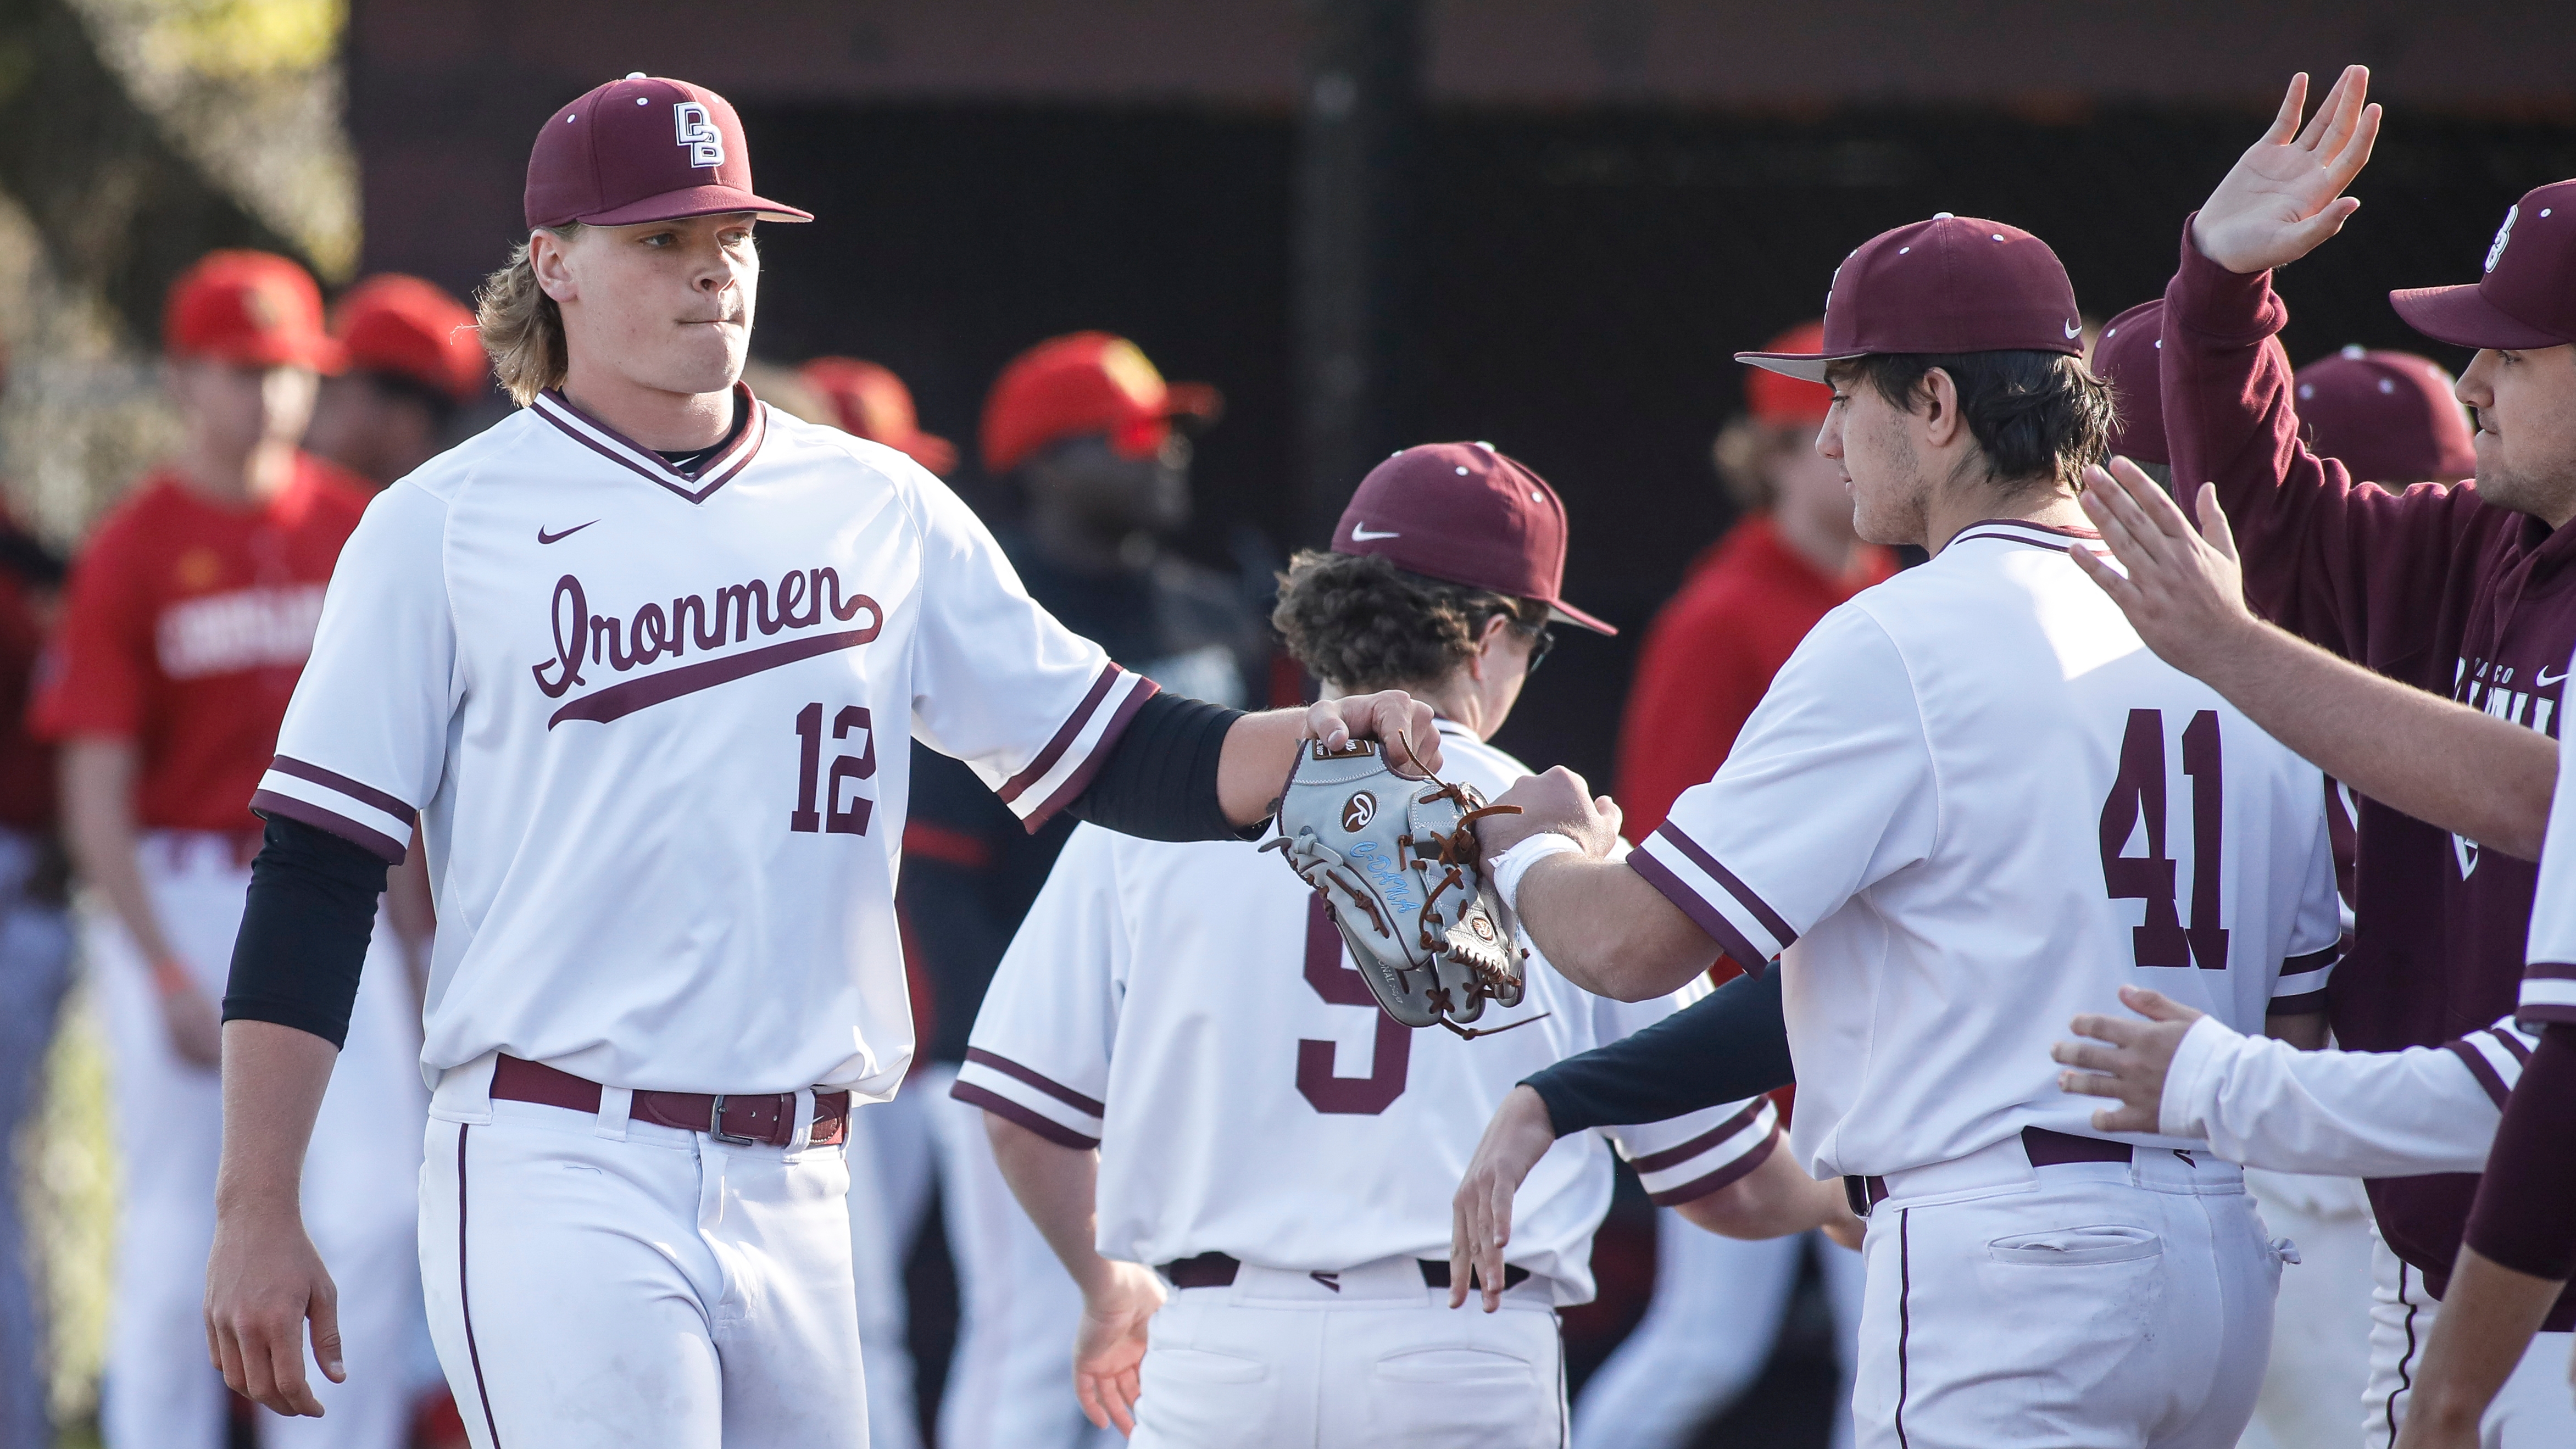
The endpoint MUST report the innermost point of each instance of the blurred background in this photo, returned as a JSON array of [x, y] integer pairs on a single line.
[[1542, 223]]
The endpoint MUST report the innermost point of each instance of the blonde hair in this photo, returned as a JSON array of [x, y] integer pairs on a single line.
[[520, 325]]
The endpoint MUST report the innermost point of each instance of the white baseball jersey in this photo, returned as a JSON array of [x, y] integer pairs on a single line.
[[1971, 806], [655, 723], [2264, 1103], [1189, 1010], [2549, 978]]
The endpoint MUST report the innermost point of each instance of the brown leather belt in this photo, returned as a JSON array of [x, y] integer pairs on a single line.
[[768, 1118], [2044, 1148], [1217, 1270]]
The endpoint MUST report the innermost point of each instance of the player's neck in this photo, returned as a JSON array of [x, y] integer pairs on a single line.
[[1952, 510], [238, 479], [666, 422]]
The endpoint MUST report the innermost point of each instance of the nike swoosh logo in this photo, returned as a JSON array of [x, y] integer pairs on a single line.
[[2545, 679], [2073, 331], [1360, 534], [545, 537]]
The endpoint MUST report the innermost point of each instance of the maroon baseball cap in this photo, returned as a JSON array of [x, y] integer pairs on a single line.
[[2390, 416], [2527, 299], [644, 149], [1951, 284], [1465, 513], [2125, 356]]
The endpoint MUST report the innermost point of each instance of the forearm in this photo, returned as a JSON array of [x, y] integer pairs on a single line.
[[2489, 1313], [1774, 1200], [2264, 1103], [97, 777], [1730, 1045], [273, 1081], [1609, 931], [1057, 1186], [2441, 762]]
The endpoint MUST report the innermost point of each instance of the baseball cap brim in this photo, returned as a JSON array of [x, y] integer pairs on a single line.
[[694, 201], [1805, 366], [2463, 317], [1561, 612], [320, 354]]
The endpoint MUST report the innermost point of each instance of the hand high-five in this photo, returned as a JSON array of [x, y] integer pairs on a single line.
[[2184, 589], [2285, 194]]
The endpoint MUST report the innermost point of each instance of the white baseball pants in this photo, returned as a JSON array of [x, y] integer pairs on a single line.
[[361, 1177], [1010, 1381], [885, 1214], [2092, 1305], [2321, 1327], [1707, 1333], [1281, 1360], [601, 1283], [2534, 1410]]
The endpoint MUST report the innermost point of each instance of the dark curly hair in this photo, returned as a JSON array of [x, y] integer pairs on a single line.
[[2036, 414], [1363, 624]]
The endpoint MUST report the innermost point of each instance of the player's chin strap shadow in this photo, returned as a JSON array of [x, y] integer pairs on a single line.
[[1457, 848]]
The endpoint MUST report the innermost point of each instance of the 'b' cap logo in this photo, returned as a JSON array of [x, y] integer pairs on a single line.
[[704, 142], [1358, 811], [2504, 234]]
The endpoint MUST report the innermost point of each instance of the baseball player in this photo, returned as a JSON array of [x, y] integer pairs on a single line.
[[1258, 1235], [1094, 444], [187, 619], [2392, 418], [1719, 1302], [643, 657], [413, 363], [1970, 794], [2460, 592]]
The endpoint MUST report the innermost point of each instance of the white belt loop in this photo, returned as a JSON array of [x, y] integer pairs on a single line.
[[616, 1106], [803, 1135]]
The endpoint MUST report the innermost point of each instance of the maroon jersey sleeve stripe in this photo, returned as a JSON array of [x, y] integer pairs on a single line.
[[364, 794], [1725, 1177], [1676, 1156], [1709, 918], [2313, 961], [1080, 780], [1018, 785], [366, 838], [2551, 970], [2482, 1069], [1771, 920], [1039, 1080], [2511, 1043], [1010, 1111], [2298, 1005]]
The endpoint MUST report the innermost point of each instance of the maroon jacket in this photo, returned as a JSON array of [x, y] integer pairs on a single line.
[[2430, 586]]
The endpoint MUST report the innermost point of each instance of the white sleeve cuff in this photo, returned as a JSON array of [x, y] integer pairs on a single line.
[[2193, 1076]]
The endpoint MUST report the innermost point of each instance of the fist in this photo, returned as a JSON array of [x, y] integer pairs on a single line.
[[1558, 801], [1392, 717]]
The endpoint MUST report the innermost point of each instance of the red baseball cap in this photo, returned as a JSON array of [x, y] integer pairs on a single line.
[[407, 327], [2390, 416], [1951, 284], [1465, 513], [1085, 383], [644, 149], [873, 403], [2125, 356], [1781, 401], [253, 308], [2527, 299]]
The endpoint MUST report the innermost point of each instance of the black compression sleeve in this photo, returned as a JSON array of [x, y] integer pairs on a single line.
[[1727, 1046], [1159, 781], [304, 931]]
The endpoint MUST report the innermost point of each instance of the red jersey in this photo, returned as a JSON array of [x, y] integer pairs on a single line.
[[1709, 656], [2432, 586], [186, 624]]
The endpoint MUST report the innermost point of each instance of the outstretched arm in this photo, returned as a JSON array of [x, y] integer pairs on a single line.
[[1599, 922], [1260, 747], [2441, 762]]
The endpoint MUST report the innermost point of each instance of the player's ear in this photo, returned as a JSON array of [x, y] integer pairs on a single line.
[[1937, 395], [547, 260]]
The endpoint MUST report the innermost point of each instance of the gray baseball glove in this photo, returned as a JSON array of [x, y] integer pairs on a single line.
[[1395, 860]]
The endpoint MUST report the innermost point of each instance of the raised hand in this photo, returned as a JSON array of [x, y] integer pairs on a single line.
[[2126, 1059], [2285, 194], [2184, 589]]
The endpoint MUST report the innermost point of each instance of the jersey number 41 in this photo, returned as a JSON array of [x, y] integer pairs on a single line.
[[2162, 939]]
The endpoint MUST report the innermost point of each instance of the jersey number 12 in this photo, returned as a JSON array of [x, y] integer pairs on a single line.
[[844, 813], [2162, 939]]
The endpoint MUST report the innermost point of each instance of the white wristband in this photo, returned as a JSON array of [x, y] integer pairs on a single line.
[[1512, 864]]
